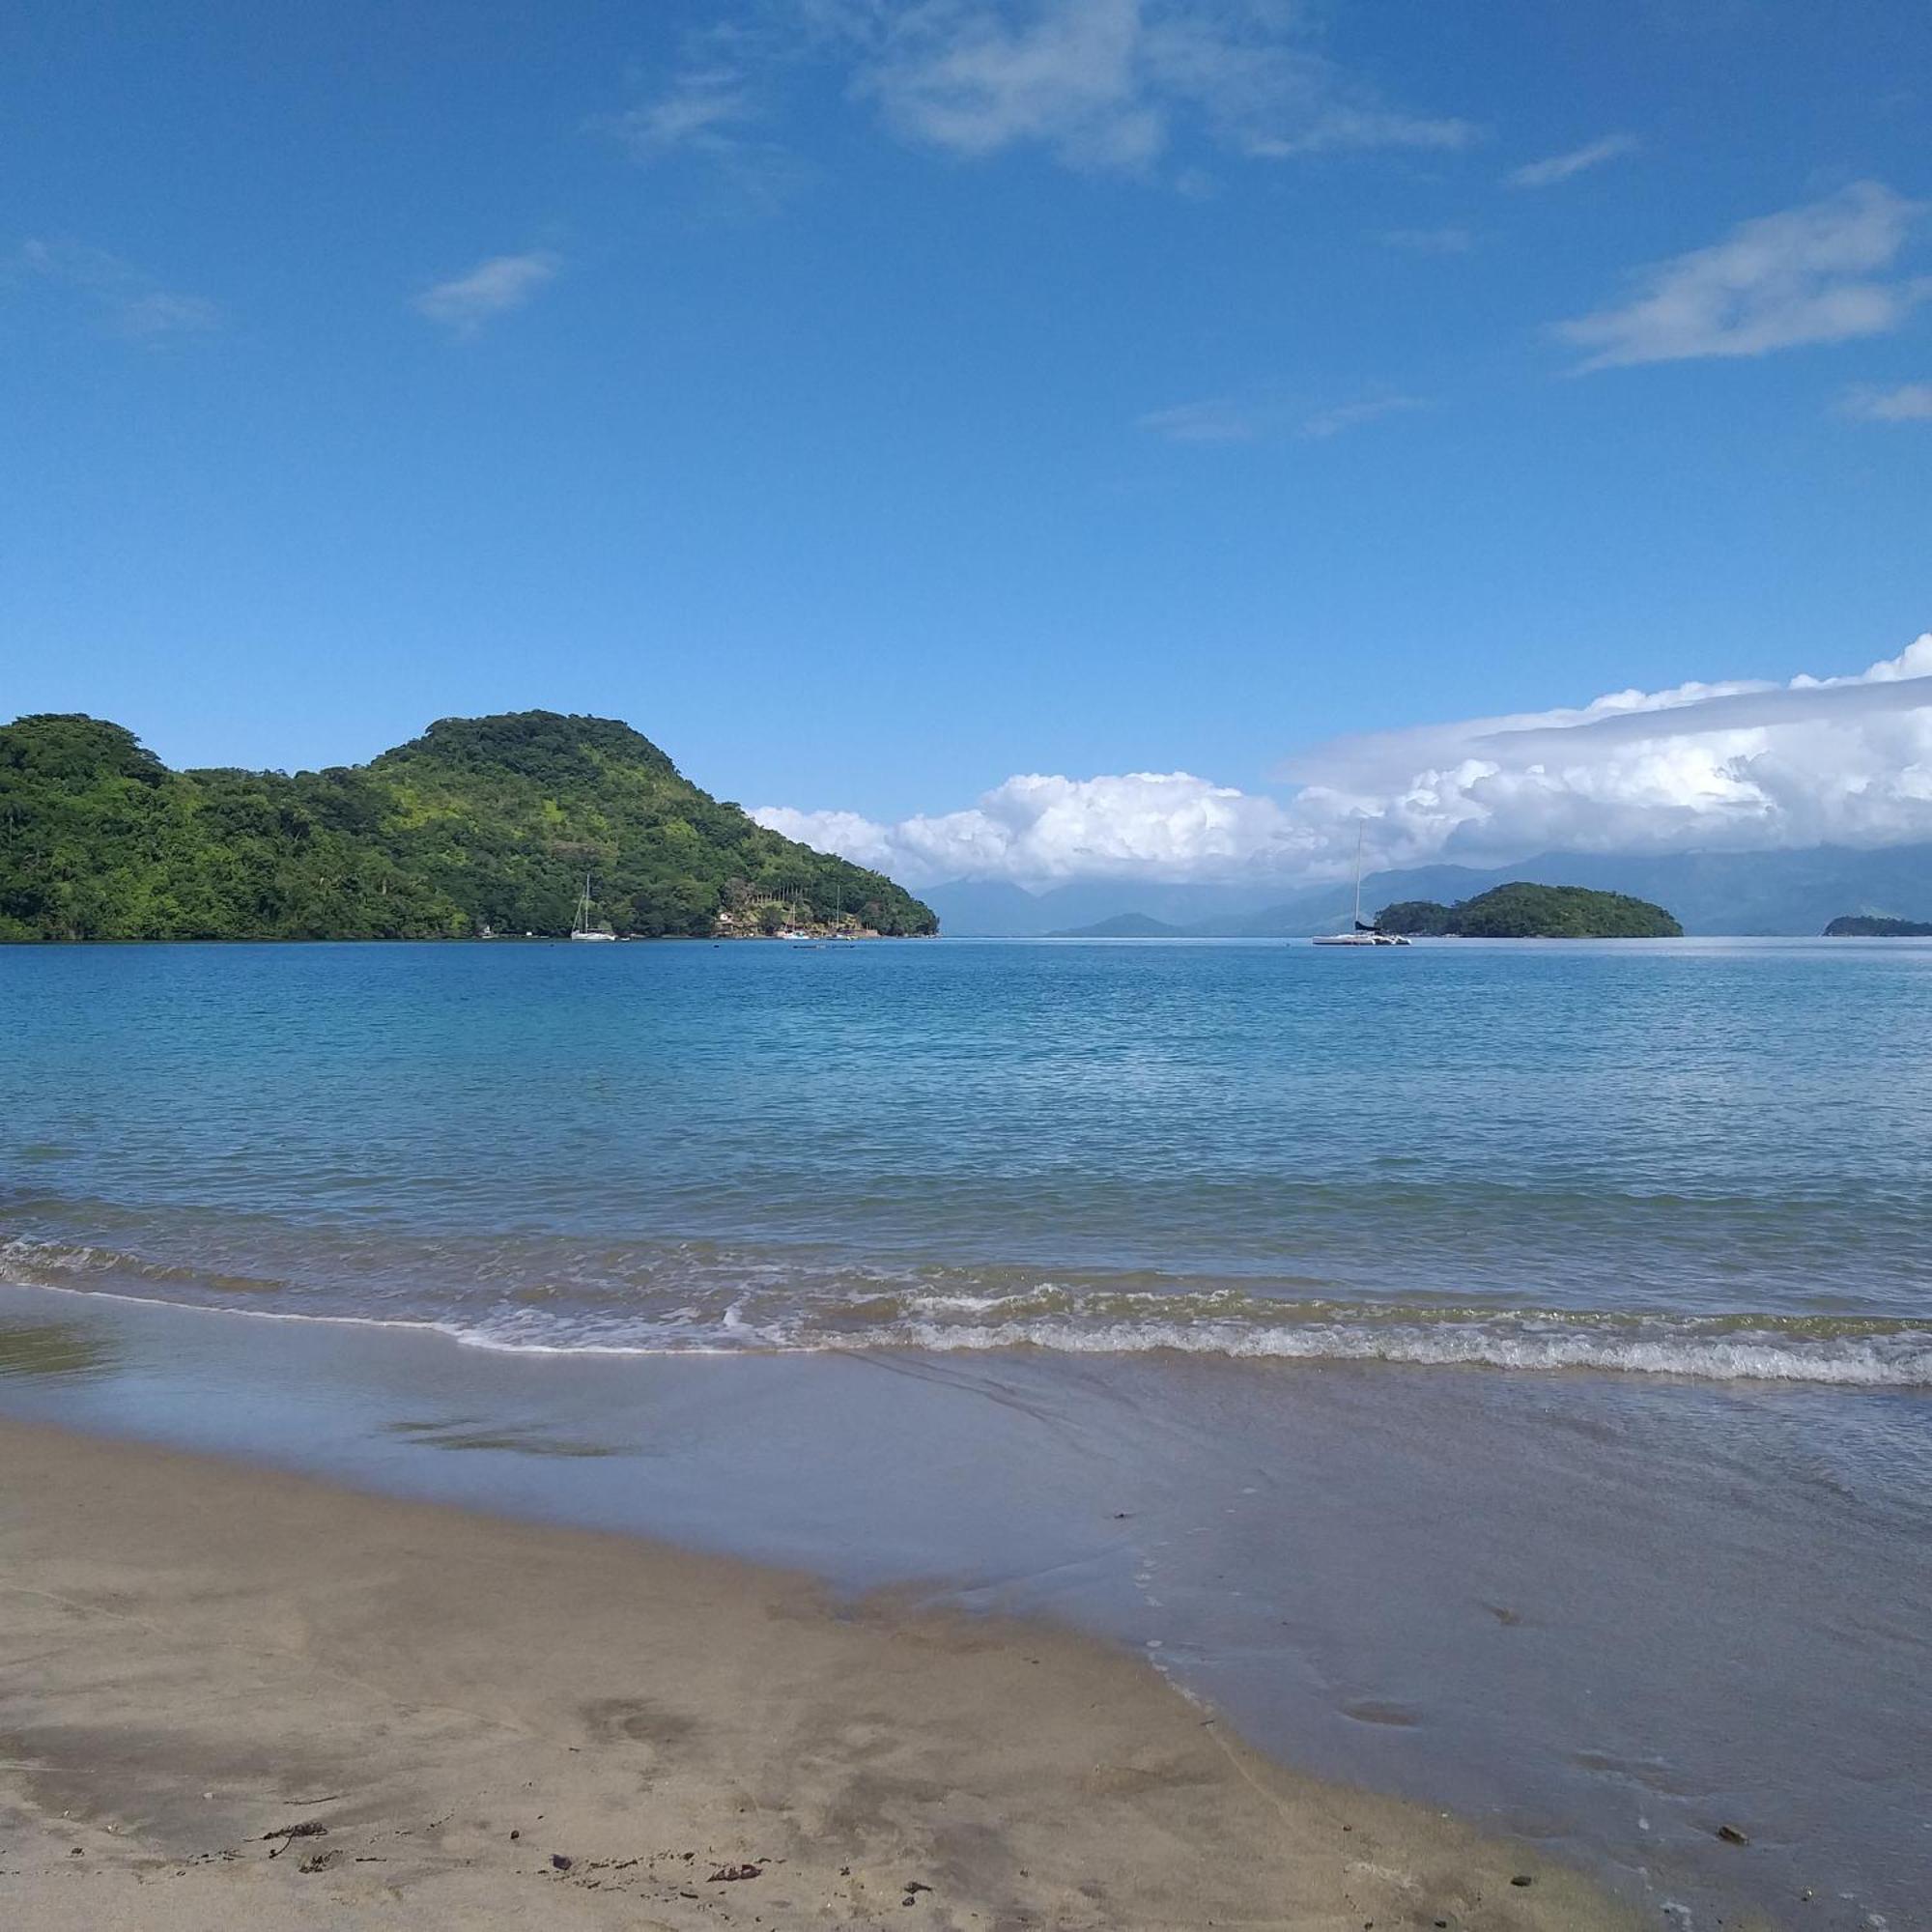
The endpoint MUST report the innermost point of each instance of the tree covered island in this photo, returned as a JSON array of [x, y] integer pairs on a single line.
[[482, 825], [1871, 925], [1522, 910]]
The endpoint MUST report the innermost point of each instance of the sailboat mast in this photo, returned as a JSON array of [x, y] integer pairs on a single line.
[[1359, 831]]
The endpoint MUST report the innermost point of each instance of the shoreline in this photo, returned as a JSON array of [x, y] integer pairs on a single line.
[[1354, 1567], [205, 1655]]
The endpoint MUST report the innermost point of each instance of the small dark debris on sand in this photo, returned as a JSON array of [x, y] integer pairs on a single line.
[[309, 1828], [1731, 1835], [731, 1874], [559, 1862]]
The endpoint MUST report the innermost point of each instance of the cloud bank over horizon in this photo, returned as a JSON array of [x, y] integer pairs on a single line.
[[1735, 767]]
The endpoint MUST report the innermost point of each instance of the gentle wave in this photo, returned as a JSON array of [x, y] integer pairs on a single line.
[[1847, 1351], [1507, 1340], [768, 1316]]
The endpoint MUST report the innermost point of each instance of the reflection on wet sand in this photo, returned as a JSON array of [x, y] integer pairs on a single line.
[[51, 1348]]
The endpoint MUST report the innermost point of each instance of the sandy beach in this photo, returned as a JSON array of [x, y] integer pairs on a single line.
[[235, 1697]]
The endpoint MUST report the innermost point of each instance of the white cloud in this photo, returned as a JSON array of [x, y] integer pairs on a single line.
[[1217, 421], [699, 110], [1168, 825], [1745, 766], [1101, 85], [1910, 402], [1352, 415], [973, 81], [1105, 83], [714, 109], [1222, 419], [491, 288], [1808, 274], [129, 302], [1555, 168]]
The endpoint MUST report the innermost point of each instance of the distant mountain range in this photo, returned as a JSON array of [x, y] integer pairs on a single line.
[[1770, 894]]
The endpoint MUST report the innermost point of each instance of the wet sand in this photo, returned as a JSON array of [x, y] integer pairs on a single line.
[[239, 1697]]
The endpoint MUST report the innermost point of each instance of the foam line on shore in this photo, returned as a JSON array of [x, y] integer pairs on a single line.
[[1839, 1351]]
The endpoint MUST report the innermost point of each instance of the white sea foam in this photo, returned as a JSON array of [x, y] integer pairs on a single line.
[[1903, 1361], [1840, 1351]]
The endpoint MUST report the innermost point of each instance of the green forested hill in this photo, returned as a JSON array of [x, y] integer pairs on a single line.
[[481, 822], [1875, 925], [1520, 910]]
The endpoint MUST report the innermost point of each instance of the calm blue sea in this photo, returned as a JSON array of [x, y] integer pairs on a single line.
[[1500, 1373], [1695, 1158]]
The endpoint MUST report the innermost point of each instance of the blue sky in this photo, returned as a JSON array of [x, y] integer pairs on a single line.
[[874, 399]]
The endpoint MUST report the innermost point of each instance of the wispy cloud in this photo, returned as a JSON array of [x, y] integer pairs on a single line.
[[1808, 274], [1105, 84], [1100, 85], [1352, 416], [491, 288], [1226, 420], [701, 110], [1429, 240], [1910, 402], [712, 112], [973, 81], [1217, 421], [129, 301], [1555, 168]]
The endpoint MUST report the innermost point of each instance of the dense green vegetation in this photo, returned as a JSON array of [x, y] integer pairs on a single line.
[[1867, 925], [1523, 911], [481, 823]]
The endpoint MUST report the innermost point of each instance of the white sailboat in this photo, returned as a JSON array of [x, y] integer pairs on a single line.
[[581, 926], [1363, 931]]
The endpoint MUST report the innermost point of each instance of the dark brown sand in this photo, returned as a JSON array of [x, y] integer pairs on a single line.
[[232, 1698]]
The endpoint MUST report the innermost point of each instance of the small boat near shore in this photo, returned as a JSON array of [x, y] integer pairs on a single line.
[[581, 926]]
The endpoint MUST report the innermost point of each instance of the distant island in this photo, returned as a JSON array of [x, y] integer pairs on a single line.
[[481, 827], [1864, 925], [1520, 910]]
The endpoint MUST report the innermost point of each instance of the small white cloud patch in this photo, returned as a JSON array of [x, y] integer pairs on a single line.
[[491, 288], [1218, 421], [1352, 416], [129, 301], [700, 111], [1555, 168], [1910, 402], [1809, 275]]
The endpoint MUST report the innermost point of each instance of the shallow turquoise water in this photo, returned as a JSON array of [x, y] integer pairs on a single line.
[[1701, 1157]]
